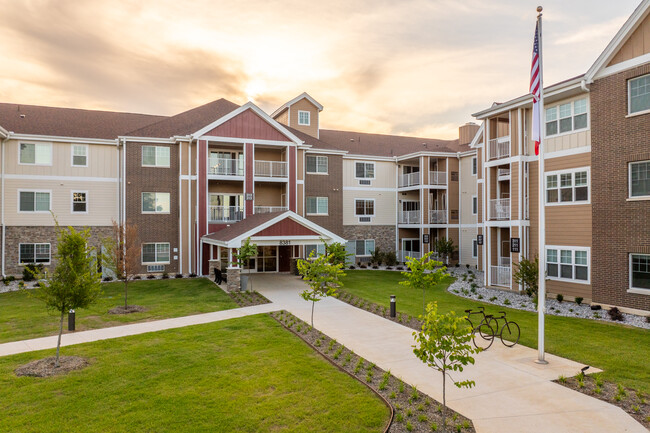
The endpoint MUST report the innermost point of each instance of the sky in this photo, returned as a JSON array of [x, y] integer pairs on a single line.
[[406, 67]]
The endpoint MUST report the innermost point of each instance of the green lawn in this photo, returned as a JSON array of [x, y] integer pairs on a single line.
[[621, 351], [22, 316], [240, 375]]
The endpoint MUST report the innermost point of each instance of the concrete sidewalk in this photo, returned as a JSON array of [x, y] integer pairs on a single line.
[[131, 329], [512, 393]]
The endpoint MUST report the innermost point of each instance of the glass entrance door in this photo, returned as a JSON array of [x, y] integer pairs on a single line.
[[267, 258]]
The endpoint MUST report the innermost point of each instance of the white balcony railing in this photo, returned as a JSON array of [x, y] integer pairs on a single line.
[[269, 209], [409, 217], [499, 147], [437, 178], [226, 167], [437, 217], [271, 169], [225, 214], [403, 254], [503, 172], [500, 209], [504, 261], [500, 276], [409, 179]]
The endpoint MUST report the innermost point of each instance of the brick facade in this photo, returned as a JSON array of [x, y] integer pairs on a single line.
[[15, 235], [330, 186], [620, 227], [153, 227]]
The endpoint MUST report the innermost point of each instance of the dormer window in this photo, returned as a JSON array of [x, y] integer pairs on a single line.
[[304, 118]]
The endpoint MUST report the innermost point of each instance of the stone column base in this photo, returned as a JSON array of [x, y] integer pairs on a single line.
[[233, 279]]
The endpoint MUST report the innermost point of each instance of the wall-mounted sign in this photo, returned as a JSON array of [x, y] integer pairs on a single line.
[[249, 196], [479, 239], [514, 245], [425, 239]]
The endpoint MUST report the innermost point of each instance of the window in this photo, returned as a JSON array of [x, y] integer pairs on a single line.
[[474, 205], [474, 249], [639, 94], [79, 202], [640, 271], [34, 253], [364, 207], [155, 253], [567, 187], [474, 166], [303, 118], [155, 202], [155, 156], [317, 249], [79, 155], [34, 201], [316, 164], [567, 263], [364, 247], [640, 179], [568, 117], [317, 205], [36, 154], [364, 170]]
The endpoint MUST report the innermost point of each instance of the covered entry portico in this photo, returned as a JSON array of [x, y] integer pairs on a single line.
[[280, 237]]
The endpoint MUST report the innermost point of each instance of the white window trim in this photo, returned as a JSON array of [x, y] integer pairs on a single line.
[[559, 263], [629, 98], [49, 261], [308, 118], [35, 164], [572, 171], [365, 215], [475, 247], [474, 197], [317, 172], [631, 289], [365, 247], [72, 146], [629, 182], [474, 159], [557, 110], [154, 212], [30, 212], [374, 170], [315, 247], [156, 153], [317, 199], [156, 248], [72, 211]]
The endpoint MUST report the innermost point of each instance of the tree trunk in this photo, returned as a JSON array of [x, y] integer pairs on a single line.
[[126, 291], [312, 313], [444, 402], [424, 308], [58, 344]]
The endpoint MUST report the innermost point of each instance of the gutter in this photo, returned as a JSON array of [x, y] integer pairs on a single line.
[[2, 200]]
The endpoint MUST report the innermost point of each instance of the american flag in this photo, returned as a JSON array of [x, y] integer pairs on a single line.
[[535, 89]]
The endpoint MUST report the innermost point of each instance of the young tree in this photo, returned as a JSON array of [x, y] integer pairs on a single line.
[[322, 276], [445, 247], [377, 256], [424, 274], [337, 251], [122, 255], [527, 274], [244, 254], [75, 281], [444, 344]]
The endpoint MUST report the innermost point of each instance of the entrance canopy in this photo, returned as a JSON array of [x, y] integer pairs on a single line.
[[276, 228]]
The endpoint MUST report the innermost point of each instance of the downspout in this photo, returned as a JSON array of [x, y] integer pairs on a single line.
[[2, 212], [583, 85], [460, 208]]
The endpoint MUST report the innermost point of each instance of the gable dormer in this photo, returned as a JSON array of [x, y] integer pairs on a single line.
[[300, 113]]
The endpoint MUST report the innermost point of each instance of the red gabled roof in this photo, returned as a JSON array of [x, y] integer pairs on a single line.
[[239, 228]]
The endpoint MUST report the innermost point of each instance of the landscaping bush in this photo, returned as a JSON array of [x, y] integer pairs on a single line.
[[467, 266], [30, 271], [165, 275], [352, 266], [390, 258], [179, 276], [151, 277], [137, 277], [457, 265], [375, 267], [108, 278], [192, 275], [560, 297], [399, 268], [377, 257], [579, 300], [615, 314], [363, 266], [8, 279]]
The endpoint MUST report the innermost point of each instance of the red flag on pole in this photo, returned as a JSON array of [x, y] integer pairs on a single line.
[[535, 89]]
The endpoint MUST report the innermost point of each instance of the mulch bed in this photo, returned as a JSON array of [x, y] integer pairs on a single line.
[[128, 310], [633, 402], [403, 319], [45, 367], [248, 299], [413, 410]]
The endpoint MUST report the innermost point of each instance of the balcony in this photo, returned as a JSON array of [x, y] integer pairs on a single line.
[[499, 148], [269, 209], [271, 169], [437, 178], [437, 217], [410, 179], [500, 209], [225, 214], [503, 173], [403, 254], [500, 276], [225, 167], [409, 217]]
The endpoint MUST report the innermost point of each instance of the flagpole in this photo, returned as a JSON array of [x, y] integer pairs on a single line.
[[541, 296]]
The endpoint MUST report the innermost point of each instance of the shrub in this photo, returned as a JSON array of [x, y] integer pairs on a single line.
[[375, 267], [467, 266], [151, 277], [192, 275], [31, 270], [647, 319], [165, 275], [506, 301], [392, 395], [615, 314], [178, 276], [399, 417], [560, 297], [579, 300], [409, 426], [137, 277], [36, 284], [480, 296], [352, 266], [399, 268], [434, 426], [457, 265], [108, 278], [493, 298], [362, 266], [377, 257]]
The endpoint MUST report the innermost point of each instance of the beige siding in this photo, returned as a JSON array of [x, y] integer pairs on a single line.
[[384, 207], [224, 187], [567, 162], [265, 154], [467, 190], [568, 225], [268, 194], [304, 105], [283, 117], [636, 45], [384, 174]]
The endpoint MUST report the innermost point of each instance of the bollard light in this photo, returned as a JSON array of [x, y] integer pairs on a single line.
[[393, 306], [71, 320]]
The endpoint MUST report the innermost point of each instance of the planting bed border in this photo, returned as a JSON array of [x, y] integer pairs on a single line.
[[393, 389], [248, 299], [376, 309]]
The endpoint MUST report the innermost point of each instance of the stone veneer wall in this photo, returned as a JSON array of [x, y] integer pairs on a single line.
[[16, 235], [384, 236]]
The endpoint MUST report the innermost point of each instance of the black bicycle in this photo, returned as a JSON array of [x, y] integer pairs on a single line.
[[509, 331], [483, 329]]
